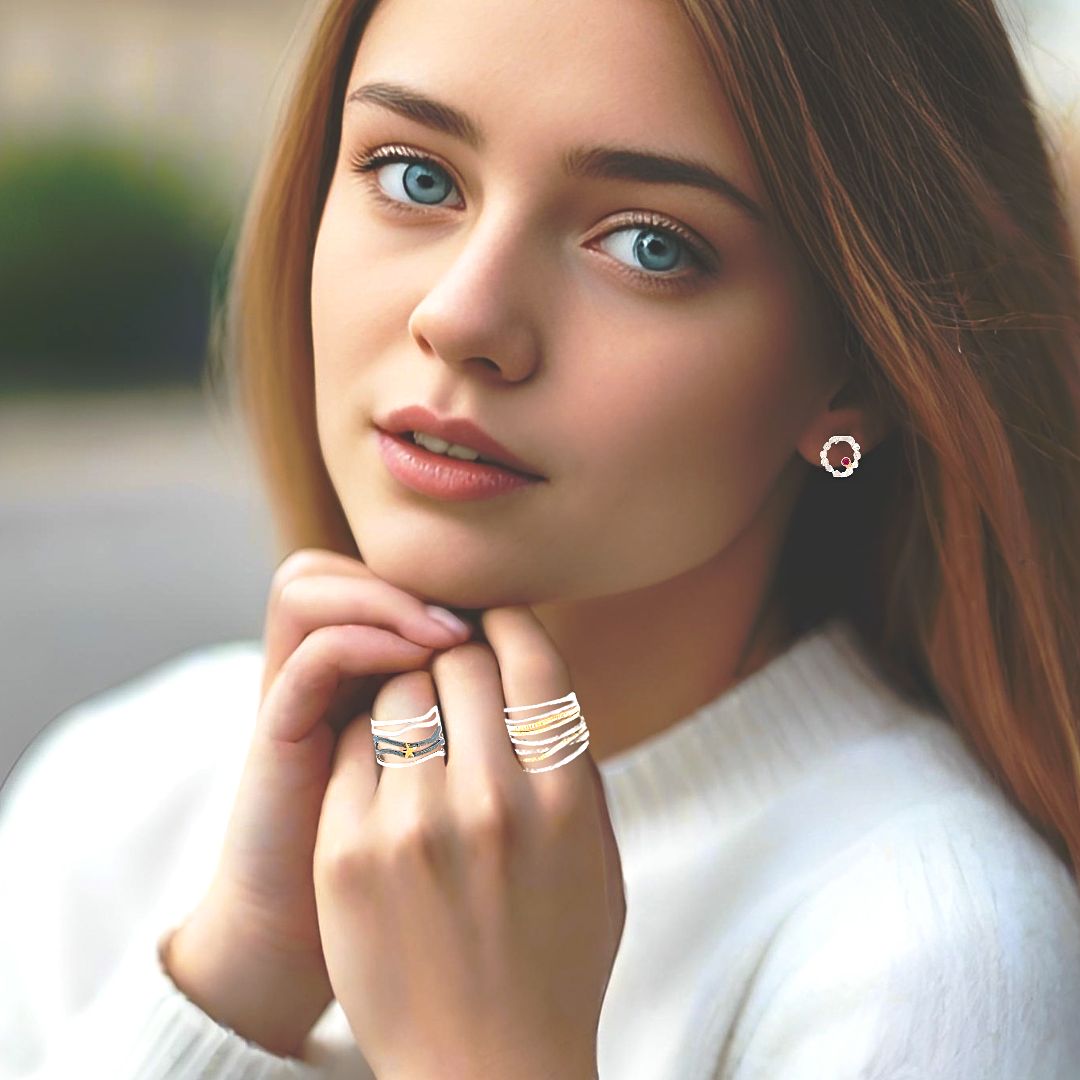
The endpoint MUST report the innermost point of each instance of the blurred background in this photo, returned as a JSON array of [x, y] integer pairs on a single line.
[[132, 526]]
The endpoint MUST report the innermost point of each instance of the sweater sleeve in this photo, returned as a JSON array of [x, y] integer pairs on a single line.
[[941, 947], [82, 988]]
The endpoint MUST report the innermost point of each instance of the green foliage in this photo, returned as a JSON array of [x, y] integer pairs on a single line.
[[107, 257]]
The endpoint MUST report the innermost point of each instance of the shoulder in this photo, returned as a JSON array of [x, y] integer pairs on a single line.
[[159, 718], [930, 931], [944, 942]]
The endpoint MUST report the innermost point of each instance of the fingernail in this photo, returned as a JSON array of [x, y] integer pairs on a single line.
[[448, 619]]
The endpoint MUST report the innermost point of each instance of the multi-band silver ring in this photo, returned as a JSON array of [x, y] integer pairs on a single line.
[[526, 734]]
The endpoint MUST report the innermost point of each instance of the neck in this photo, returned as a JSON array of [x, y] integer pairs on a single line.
[[642, 660]]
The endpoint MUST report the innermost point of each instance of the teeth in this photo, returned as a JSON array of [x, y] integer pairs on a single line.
[[441, 446]]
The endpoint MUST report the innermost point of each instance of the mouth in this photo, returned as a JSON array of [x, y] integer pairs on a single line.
[[453, 439], [409, 438], [443, 476]]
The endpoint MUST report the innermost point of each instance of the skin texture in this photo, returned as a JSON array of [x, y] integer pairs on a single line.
[[675, 425], [470, 911]]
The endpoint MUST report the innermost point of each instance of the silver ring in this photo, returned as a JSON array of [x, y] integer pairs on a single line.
[[526, 735], [432, 746]]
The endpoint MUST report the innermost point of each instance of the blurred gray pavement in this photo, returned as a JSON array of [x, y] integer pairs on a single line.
[[132, 528]]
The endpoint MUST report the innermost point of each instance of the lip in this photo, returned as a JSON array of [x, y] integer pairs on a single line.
[[455, 430], [445, 477]]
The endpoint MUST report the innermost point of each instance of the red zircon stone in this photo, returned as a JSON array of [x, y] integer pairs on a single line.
[[845, 462]]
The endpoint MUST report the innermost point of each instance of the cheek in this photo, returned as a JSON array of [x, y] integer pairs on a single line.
[[330, 278], [351, 297], [687, 434], [696, 410], [342, 334], [752, 388]]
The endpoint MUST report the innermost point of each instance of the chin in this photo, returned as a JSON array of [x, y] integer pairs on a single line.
[[470, 574], [448, 582]]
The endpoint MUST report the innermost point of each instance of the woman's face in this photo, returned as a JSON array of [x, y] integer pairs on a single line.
[[660, 375]]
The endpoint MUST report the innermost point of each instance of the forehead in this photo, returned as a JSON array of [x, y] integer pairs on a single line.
[[547, 73]]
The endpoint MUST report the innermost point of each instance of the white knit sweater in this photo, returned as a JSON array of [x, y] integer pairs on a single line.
[[821, 884]]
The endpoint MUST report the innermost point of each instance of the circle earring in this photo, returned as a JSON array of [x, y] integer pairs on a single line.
[[849, 463]]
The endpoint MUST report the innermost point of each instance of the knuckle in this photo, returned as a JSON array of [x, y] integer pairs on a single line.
[[297, 564], [287, 595], [314, 662], [562, 810], [344, 868], [469, 656], [542, 668], [422, 839], [492, 824], [406, 686]]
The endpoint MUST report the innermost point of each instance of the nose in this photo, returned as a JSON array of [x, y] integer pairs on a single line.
[[483, 309]]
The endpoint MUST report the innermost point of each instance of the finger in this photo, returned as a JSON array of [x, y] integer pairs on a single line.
[[407, 697], [533, 672], [304, 562], [322, 600], [470, 695], [354, 773], [301, 694], [305, 594], [350, 789]]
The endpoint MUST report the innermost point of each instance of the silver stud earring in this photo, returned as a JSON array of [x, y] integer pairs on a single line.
[[849, 463]]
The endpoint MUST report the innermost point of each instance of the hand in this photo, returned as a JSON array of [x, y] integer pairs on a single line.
[[470, 911], [250, 954]]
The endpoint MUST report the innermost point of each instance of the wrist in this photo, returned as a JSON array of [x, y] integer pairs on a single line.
[[534, 1067], [262, 998]]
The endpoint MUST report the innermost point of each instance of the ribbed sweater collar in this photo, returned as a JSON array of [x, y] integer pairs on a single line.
[[737, 752]]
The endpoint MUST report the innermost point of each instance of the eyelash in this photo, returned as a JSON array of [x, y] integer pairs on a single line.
[[365, 164]]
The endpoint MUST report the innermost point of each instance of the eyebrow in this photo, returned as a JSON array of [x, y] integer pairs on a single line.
[[588, 162]]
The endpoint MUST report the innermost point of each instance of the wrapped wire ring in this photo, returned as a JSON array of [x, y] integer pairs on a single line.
[[433, 746], [523, 734], [568, 712]]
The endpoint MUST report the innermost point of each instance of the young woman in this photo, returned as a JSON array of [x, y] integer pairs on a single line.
[[765, 317]]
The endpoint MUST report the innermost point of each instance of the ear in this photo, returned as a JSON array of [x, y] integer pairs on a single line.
[[852, 410]]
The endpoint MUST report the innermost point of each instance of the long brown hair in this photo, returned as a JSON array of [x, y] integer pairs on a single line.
[[902, 152]]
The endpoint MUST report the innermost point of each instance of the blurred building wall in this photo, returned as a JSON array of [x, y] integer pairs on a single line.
[[198, 76], [132, 525]]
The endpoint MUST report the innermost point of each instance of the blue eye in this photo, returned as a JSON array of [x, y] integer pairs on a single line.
[[666, 256], [423, 183], [654, 249], [422, 178]]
